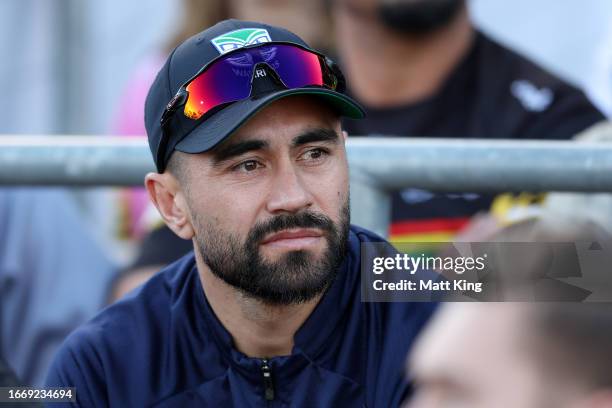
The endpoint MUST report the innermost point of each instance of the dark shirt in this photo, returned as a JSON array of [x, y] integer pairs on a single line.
[[493, 93], [164, 346]]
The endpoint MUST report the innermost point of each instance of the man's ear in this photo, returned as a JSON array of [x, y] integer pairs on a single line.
[[169, 199], [344, 135]]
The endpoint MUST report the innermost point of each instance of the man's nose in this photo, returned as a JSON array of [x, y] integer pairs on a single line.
[[288, 192]]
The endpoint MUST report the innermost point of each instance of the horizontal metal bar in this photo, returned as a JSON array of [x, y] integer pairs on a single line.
[[484, 165], [387, 163], [74, 160]]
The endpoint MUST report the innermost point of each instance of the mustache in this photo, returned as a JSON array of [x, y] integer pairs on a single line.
[[306, 219]]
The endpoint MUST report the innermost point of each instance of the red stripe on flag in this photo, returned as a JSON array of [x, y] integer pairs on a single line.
[[428, 225]]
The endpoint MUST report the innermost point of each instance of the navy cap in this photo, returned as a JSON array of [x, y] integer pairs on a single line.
[[196, 136]]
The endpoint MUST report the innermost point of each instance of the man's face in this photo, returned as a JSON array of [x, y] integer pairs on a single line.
[[476, 355], [269, 206]]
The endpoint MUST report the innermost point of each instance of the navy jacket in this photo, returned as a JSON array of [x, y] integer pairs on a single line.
[[163, 346]]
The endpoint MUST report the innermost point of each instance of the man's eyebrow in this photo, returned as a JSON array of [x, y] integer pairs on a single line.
[[237, 149], [316, 135]]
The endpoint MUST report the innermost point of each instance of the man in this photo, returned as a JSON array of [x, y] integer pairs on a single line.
[[515, 355], [421, 69], [243, 122]]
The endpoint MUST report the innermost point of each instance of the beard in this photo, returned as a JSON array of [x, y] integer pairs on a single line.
[[296, 277], [418, 17]]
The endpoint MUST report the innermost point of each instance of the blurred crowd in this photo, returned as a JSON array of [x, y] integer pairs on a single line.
[[421, 68]]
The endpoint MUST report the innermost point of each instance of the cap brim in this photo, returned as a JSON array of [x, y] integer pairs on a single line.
[[223, 123]]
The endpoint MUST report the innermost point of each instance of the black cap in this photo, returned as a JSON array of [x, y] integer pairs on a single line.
[[196, 136]]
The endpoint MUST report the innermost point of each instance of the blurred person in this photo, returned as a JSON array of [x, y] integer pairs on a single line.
[[267, 308], [53, 276], [581, 55], [528, 355], [420, 68], [518, 355]]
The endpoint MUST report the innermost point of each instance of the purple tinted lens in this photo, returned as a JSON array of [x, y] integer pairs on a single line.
[[220, 83], [229, 78], [295, 66]]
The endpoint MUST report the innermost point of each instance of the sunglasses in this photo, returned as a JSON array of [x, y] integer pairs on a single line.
[[228, 78]]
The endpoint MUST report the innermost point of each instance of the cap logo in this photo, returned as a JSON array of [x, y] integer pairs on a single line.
[[240, 38]]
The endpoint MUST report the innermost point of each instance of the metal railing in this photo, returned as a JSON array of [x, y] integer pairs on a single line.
[[378, 166]]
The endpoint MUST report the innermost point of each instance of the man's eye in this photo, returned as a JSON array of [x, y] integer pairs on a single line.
[[247, 166], [315, 154]]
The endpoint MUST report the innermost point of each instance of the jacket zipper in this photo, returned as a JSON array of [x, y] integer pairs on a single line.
[[266, 372]]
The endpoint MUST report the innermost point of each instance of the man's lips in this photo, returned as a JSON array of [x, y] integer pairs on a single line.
[[293, 238]]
